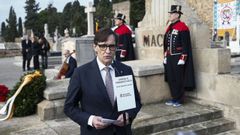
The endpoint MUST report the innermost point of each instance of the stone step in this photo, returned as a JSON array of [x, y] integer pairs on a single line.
[[203, 128], [56, 89], [54, 59], [48, 110], [55, 93], [54, 53], [153, 118], [232, 132], [51, 73], [163, 117]]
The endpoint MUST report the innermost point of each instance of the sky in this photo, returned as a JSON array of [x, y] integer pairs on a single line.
[[19, 5]]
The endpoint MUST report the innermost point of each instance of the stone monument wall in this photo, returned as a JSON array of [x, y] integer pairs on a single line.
[[124, 8], [82, 46], [10, 49], [204, 10], [68, 44], [215, 84], [150, 31]]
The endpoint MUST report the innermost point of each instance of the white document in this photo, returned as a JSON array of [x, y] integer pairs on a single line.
[[108, 121], [124, 91]]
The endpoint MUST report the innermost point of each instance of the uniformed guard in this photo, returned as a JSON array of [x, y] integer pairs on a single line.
[[125, 50], [178, 63]]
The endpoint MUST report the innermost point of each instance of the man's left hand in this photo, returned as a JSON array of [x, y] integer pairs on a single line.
[[123, 53], [181, 62], [182, 59], [120, 121]]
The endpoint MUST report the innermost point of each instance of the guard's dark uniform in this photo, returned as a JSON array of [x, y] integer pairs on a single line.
[[177, 45], [124, 43]]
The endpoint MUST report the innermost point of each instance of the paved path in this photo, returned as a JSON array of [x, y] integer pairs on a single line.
[[10, 73]]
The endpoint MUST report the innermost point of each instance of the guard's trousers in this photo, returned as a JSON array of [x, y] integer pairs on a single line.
[[175, 77]]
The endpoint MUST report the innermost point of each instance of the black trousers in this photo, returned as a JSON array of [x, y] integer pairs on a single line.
[[27, 59], [175, 77], [44, 61], [36, 62]]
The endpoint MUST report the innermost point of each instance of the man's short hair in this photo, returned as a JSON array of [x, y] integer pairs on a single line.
[[103, 34]]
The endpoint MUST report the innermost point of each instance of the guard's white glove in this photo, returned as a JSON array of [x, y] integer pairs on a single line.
[[181, 62], [182, 59], [165, 60], [123, 53]]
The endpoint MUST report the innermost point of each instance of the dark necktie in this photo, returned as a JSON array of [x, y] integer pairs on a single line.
[[109, 85]]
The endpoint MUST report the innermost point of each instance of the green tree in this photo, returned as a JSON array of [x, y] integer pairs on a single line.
[[66, 18], [117, 1], [53, 19], [137, 11], [11, 31], [78, 19], [104, 13], [3, 29], [31, 19], [95, 3], [20, 28], [42, 19]]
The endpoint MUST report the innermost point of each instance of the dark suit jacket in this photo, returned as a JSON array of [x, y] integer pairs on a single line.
[[87, 87], [26, 46], [71, 66]]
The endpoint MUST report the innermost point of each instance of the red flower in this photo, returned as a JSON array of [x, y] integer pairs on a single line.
[[3, 90]]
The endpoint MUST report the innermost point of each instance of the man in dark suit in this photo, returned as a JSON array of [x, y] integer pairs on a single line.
[[26, 53], [72, 63], [97, 102], [45, 47]]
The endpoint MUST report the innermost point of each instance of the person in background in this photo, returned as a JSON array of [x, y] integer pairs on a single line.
[[125, 50], [178, 63], [36, 50], [91, 86], [45, 47], [72, 64], [26, 53]]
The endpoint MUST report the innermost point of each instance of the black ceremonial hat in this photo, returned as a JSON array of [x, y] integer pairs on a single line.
[[176, 9], [120, 16]]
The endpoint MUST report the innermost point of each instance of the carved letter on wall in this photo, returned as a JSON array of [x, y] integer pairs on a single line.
[[153, 41], [160, 42], [146, 41]]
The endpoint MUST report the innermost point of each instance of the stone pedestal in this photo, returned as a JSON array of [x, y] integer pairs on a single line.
[[150, 80], [69, 44], [150, 31], [84, 48]]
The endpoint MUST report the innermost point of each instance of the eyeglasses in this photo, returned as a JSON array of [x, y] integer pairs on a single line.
[[104, 47]]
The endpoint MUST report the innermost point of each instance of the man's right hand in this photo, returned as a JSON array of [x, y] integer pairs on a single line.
[[123, 53], [98, 124], [165, 60]]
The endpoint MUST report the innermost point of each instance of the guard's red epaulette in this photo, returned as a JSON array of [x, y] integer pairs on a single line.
[[181, 26], [123, 29]]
